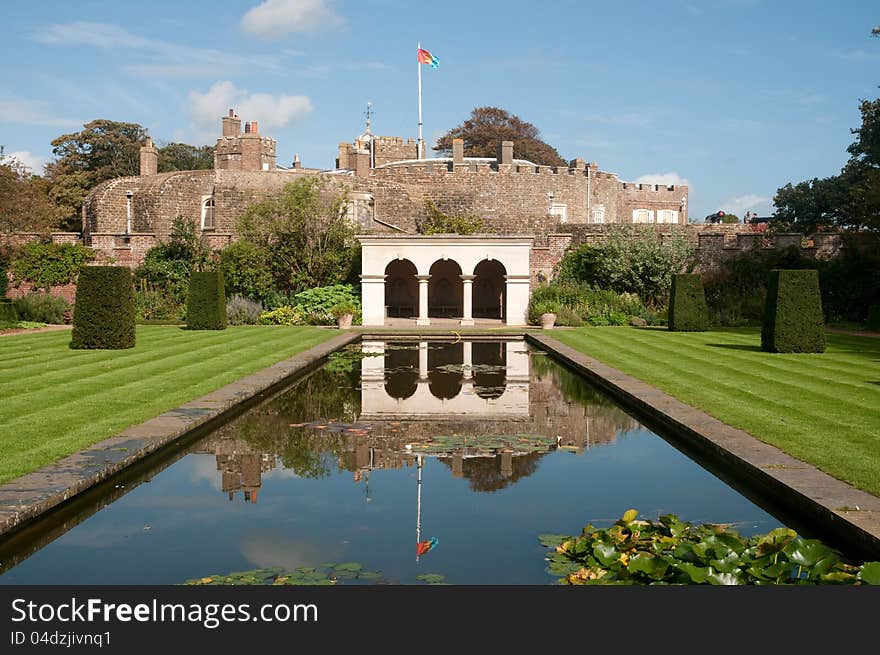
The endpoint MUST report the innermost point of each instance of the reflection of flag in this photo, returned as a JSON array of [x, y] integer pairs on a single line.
[[426, 57], [424, 546]]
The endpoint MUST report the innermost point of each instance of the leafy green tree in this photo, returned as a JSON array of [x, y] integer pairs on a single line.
[[25, 201], [438, 222], [304, 234], [168, 266], [246, 270], [632, 259], [102, 150], [487, 127], [184, 157]]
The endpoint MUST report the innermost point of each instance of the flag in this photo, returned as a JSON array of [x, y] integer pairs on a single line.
[[426, 57], [423, 547]]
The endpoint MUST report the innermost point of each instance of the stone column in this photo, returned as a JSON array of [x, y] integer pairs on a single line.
[[423, 300], [467, 358], [423, 360], [467, 317], [517, 299], [373, 299]]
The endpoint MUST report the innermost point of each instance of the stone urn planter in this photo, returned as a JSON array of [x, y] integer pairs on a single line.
[[548, 321], [343, 322]]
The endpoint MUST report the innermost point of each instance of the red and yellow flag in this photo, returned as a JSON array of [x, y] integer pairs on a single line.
[[426, 57]]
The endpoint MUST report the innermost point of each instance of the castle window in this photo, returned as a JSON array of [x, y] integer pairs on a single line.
[[643, 216], [599, 214], [667, 216], [208, 213], [559, 210]]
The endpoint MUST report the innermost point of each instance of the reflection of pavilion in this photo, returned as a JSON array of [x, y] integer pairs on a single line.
[[477, 380]]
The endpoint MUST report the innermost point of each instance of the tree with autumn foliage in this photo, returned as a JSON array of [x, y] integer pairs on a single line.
[[25, 202], [487, 127]]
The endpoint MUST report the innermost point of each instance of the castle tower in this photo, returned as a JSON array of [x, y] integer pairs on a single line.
[[243, 151]]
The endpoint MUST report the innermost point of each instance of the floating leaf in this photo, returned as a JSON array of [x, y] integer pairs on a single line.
[[348, 566], [630, 515], [551, 540], [431, 578], [870, 573]]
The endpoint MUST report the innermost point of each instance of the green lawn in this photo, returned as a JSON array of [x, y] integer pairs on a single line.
[[824, 409], [55, 401]]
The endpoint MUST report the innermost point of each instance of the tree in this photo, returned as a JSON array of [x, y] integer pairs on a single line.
[[25, 202], [184, 157], [439, 223], [304, 234], [103, 150], [487, 127]]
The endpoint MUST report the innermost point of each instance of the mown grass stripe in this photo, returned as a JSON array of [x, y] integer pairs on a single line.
[[822, 408]]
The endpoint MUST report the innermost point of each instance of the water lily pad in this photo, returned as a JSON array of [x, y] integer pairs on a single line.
[[431, 578], [870, 573], [551, 540]]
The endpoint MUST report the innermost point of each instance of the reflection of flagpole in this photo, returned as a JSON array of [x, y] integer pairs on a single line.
[[419, 508], [419, 64]]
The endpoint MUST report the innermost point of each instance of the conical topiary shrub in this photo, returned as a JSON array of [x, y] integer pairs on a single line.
[[103, 314], [206, 302], [687, 304], [793, 320]]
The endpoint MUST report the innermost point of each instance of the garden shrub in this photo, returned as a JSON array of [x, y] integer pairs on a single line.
[[103, 314], [4, 277], [168, 266], [316, 304], [49, 264], [153, 306], [8, 313], [282, 316], [793, 320], [206, 301], [40, 307], [246, 270], [243, 311], [687, 304], [579, 304], [873, 322]]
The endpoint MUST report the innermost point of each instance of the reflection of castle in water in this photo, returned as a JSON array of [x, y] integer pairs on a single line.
[[488, 410]]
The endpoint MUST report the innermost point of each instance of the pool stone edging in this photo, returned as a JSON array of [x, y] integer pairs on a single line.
[[27, 497], [796, 486]]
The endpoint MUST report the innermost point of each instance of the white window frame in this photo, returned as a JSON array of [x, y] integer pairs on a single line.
[[648, 213], [559, 209], [664, 214], [598, 214], [213, 207]]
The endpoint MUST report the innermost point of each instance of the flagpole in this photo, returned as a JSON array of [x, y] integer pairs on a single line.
[[419, 64], [419, 508]]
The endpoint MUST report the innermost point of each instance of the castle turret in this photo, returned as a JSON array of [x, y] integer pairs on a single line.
[[243, 151], [149, 158]]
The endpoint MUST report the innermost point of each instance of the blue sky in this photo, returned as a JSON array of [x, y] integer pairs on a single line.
[[735, 96]]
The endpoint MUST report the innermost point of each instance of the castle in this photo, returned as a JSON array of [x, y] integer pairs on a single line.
[[522, 203]]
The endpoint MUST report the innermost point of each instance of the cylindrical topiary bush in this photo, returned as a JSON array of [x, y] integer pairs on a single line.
[[8, 313], [873, 322], [206, 303], [687, 304], [793, 320], [103, 314]]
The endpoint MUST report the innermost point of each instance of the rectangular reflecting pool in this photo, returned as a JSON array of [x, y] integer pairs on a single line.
[[394, 460]]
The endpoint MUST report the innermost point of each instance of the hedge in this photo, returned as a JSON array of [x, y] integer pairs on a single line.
[[793, 320], [103, 314], [8, 313], [873, 322], [687, 304], [206, 302]]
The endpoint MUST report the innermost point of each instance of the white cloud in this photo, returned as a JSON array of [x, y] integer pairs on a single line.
[[273, 19], [165, 59], [32, 112], [748, 202], [270, 111], [661, 178], [34, 162]]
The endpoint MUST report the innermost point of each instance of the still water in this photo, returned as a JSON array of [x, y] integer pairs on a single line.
[[480, 446]]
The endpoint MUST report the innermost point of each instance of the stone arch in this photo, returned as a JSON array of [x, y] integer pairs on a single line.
[[490, 289], [401, 289], [489, 383], [445, 296], [401, 372], [445, 383]]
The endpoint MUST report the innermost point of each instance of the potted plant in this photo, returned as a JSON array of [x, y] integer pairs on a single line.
[[546, 310], [343, 312]]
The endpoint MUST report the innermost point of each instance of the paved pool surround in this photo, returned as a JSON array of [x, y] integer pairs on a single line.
[[842, 514]]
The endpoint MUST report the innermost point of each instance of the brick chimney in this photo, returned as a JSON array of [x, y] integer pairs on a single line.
[[149, 158], [458, 152], [231, 124], [505, 152]]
